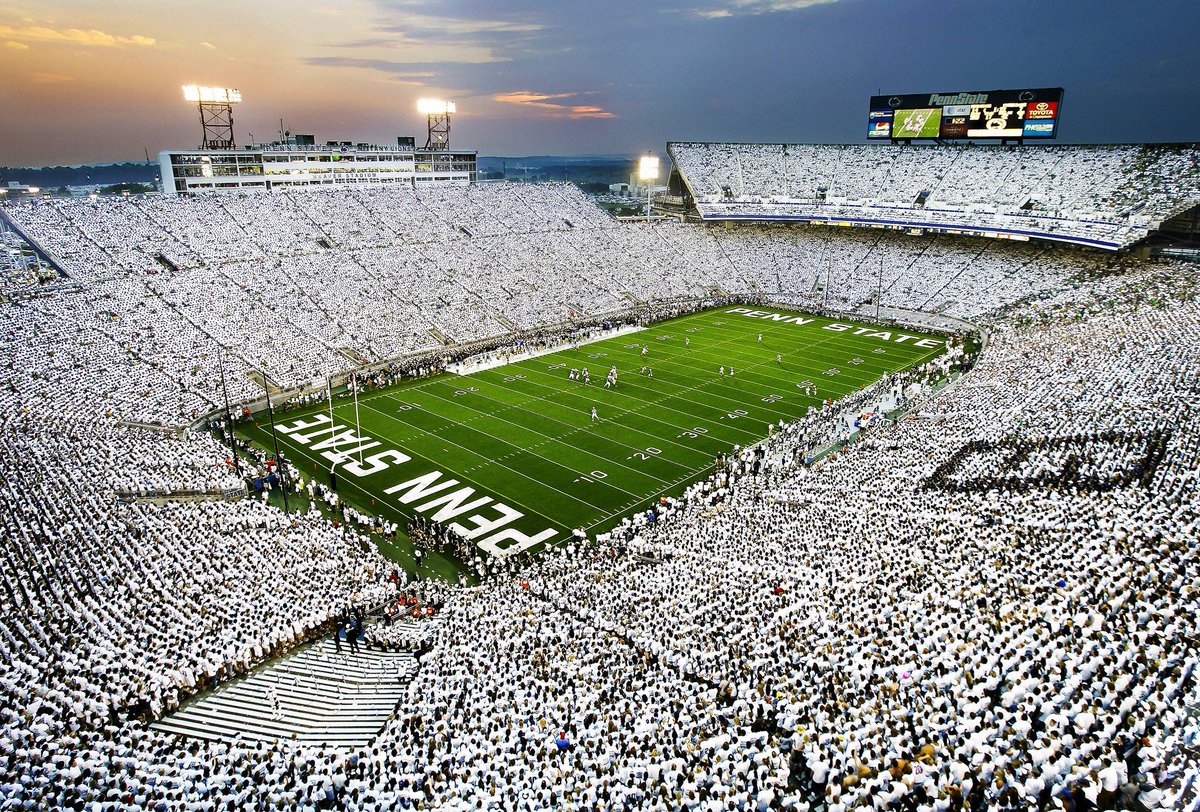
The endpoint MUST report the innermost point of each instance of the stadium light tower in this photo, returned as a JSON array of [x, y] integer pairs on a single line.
[[647, 172], [216, 113], [437, 114]]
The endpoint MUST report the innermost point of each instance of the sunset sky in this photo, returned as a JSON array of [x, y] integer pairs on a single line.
[[100, 81]]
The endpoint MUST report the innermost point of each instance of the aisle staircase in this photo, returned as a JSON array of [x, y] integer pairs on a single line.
[[324, 698]]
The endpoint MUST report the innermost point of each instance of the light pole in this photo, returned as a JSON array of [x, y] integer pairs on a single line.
[[647, 172], [229, 416], [357, 422], [329, 385], [879, 288], [275, 439], [828, 269]]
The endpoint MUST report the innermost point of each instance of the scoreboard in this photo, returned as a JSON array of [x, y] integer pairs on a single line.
[[1029, 113]]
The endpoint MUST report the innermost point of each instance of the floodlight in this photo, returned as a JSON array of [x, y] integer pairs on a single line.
[[648, 171], [211, 95], [648, 167], [216, 113], [435, 107], [437, 113]]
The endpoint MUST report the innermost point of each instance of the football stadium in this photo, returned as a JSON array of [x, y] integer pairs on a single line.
[[843, 476]]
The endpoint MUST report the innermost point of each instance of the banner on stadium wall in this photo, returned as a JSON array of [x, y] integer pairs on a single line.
[[1027, 113]]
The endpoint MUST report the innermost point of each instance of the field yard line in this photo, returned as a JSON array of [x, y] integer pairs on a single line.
[[692, 471], [866, 380], [778, 326], [870, 361], [308, 454], [853, 376], [397, 396], [701, 386], [758, 379], [581, 388], [923, 357], [672, 485], [738, 401], [657, 402], [682, 320], [674, 360], [574, 430], [552, 402], [790, 358], [741, 401], [699, 474], [623, 511], [509, 467]]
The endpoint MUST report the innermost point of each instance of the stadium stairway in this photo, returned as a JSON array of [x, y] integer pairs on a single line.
[[324, 698]]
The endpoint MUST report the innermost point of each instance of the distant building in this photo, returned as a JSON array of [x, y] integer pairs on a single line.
[[12, 189], [300, 162]]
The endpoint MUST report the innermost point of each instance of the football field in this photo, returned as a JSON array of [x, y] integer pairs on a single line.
[[512, 457]]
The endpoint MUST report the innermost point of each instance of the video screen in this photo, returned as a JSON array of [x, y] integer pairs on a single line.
[[924, 123]]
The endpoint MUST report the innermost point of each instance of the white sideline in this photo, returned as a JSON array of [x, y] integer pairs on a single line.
[[494, 358]]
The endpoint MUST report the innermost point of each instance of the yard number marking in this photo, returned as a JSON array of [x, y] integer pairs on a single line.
[[591, 476]]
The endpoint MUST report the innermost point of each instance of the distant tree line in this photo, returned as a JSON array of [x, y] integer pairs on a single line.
[[54, 177]]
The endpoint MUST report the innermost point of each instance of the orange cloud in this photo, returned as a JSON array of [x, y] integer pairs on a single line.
[[16, 46], [72, 36], [545, 103]]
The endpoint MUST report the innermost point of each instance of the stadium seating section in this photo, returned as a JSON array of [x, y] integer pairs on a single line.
[[1101, 196], [993, 599]]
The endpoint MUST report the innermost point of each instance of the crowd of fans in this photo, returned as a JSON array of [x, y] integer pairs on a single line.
[[886, 629], [297, 286], [1104, 196]]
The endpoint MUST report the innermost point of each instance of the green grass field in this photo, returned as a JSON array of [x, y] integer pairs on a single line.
[[513, 456]]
